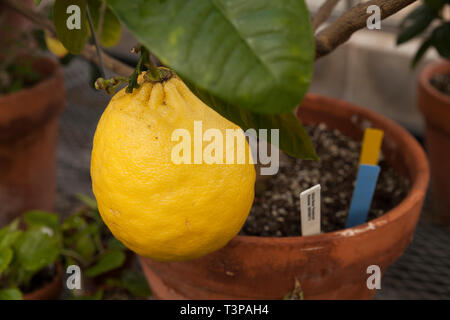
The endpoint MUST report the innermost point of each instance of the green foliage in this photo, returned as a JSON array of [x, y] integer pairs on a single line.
[[251, 61], [110, 29], [88, 242], [293, 138], [35, 249], [18, 74], [75, 39], [6, 255], [109, 260], [296, 293], [132, 281], [91, 203], [24, 253], [81, 239], [10, 294], [419, 21], [41, 218], [255, 54]]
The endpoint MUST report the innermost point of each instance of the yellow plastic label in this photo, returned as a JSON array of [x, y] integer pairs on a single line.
[[371, 146]]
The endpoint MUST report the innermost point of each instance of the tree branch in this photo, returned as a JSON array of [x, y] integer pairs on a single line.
[[356, 18], [323, 13]]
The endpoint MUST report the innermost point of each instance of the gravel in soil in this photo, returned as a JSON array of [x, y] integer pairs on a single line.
[[276, 208], [441, 82]]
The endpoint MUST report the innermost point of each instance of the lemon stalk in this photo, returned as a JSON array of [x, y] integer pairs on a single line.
[[154, 74]]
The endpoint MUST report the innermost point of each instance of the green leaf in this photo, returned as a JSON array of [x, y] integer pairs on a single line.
[[85, 246], [9, 234], [421, 51], [6, 255], [111, 260], [90, 202], [36, 249], [37, 2], [294, 140], [441, 40], [255, 54], [10, 294], [73, 39], [416, 22], [41, 218], [113, 243], [73, 222], [135, 283], [111, 29], [296, 293]]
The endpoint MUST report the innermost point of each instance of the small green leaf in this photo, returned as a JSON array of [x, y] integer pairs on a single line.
[[255, 54], [421, 51], [113, 243], [37, 2], [90, 202], [10, 294], [296, 293], [85, 246], [135, 283], [111, 29], [71, 13], [9, 234], [416, 22], [111, 260], [41, 218], [6, 255], [441, 40], [73, 222], [294, 140], [36, 249]]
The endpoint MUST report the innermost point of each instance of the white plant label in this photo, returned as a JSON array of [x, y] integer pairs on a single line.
[[310, 211]]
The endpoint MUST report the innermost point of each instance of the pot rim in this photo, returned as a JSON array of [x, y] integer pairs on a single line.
[[419, 175], [437, 67], [36, 104], [41, 292], [53, 75]]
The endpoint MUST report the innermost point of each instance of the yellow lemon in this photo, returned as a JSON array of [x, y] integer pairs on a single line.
[[55, 46], [159, 206]]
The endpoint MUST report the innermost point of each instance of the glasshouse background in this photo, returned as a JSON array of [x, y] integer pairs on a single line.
[[369, 70]]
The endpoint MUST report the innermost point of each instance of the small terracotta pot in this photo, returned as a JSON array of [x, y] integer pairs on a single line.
[[435, 106], [328, 266], [28, 137], [51, 291], [12, 27]]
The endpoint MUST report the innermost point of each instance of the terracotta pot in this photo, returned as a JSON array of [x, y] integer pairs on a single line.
[[51, 291], [12, 26], [28, 137], [328, 266], [435, 107]]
